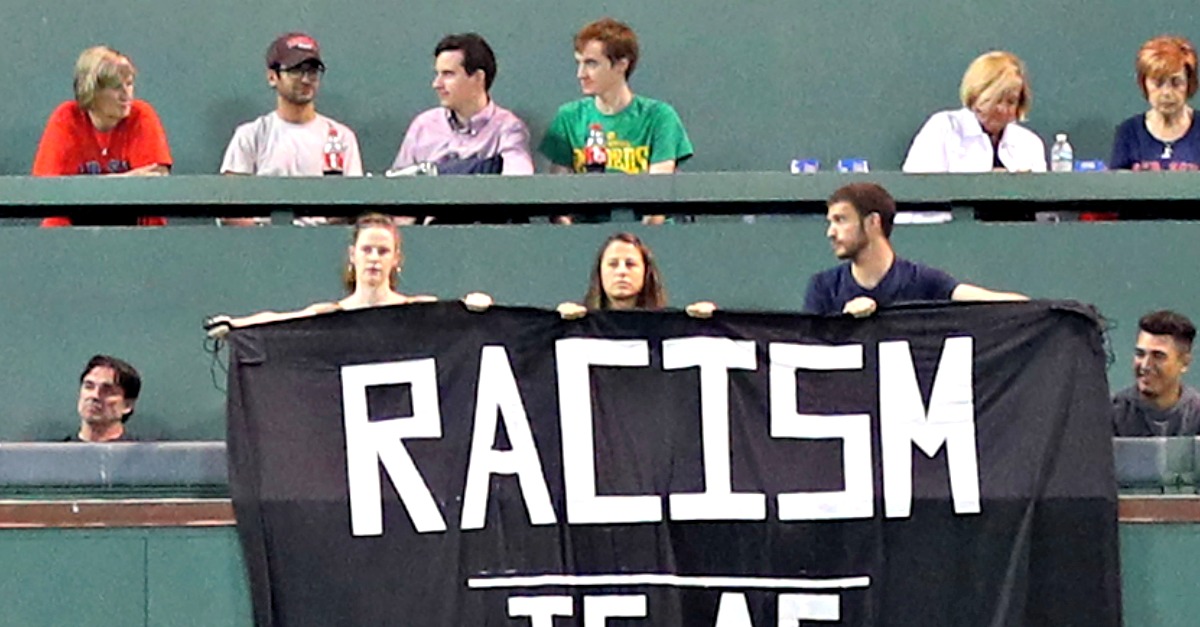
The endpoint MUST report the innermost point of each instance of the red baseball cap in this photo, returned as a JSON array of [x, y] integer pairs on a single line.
[[292, 49]]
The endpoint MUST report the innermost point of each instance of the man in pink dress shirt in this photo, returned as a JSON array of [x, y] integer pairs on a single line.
[[468, 133]]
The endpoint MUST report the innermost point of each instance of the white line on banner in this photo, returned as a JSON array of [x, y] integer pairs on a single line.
[[679, 581]]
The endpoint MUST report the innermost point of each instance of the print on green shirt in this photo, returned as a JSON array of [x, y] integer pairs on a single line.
[[645, 132]]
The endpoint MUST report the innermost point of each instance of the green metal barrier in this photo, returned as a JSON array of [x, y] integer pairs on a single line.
[[194, 577], [141, 294]]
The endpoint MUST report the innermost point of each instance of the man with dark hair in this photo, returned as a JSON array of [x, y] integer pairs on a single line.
[[468, 133], [108, 390], [1159, 404], [294, 140], [861, 216], [624, 132]]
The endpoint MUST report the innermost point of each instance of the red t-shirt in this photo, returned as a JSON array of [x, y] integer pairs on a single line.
[[71, 145]]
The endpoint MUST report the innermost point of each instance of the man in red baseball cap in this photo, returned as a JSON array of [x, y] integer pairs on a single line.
[[294, 140], [293, 49]]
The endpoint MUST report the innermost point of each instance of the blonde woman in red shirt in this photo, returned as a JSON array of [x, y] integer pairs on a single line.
[[104, 131]]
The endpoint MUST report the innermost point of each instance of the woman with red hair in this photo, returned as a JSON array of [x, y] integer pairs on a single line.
[[1165, 137], [372, 272]]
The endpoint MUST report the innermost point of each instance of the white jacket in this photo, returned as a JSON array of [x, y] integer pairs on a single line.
[[954, 141]]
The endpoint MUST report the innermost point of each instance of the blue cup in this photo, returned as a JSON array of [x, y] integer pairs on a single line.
[[805, 166], [855, 165]]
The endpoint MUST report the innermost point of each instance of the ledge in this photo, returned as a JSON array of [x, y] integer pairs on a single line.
[[98, 513], [1159, 509], [714, 192]]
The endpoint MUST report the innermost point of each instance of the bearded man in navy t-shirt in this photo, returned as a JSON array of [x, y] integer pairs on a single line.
[[861, 216]]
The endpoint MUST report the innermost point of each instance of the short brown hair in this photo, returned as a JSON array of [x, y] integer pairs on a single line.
[[100, 67], [1166, 322], [620, 42], [996, 72], [653, 295], [868, 198], [1163, 56], [368, 221]]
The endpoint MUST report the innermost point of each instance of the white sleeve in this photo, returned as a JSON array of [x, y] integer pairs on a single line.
[[354, 166], [240, 154], [1037, 153], [928, 150]]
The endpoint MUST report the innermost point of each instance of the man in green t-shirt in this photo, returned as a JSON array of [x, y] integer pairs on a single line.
[[638, 134]]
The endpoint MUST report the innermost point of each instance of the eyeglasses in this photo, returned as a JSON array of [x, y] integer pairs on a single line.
[[304, 71]]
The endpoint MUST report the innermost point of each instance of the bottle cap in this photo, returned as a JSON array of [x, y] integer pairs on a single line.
[[1060, 137]]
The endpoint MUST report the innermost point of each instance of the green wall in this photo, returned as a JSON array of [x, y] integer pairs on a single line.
[[1158, 574], [128, 577], [142, 293], [194, 577], [756, 83]]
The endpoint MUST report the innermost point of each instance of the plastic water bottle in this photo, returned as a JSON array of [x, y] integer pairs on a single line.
[[1062, 155]]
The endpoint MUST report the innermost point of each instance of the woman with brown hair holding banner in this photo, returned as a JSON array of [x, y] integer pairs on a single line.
[[375, 257], [626, 277]]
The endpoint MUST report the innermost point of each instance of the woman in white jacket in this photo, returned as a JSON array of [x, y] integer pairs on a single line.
[[984, 135]]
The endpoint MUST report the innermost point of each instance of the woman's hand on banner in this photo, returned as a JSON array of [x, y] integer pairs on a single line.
[[702, 309], [571, 311], [218, 326], [477, 302]]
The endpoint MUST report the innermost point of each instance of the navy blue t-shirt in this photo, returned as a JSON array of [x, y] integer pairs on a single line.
[[1134, 148], [905, 282]]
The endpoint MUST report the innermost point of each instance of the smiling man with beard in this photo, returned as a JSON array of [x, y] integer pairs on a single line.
[[861, 216], [108, 390], [1158, 403], [294, 140]]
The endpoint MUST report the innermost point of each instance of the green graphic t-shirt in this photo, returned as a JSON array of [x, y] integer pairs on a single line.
[[647, 131]]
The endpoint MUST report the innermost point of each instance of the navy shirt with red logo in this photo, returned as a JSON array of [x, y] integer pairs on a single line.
[[1134, 148]]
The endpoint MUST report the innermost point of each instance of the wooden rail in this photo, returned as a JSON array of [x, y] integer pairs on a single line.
[[102, 513]]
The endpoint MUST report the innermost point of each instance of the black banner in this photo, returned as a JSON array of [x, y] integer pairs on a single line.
[[424, 465]]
